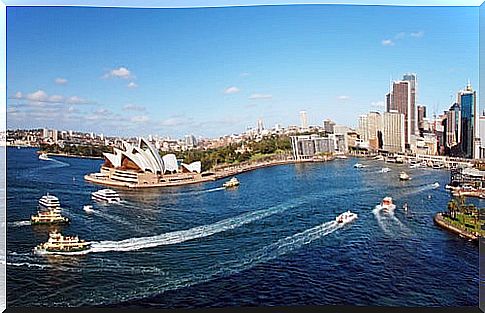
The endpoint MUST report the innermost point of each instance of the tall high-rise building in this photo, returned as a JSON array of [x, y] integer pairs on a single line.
[[393, 131], [329, 126], [363, 129], [453, 125], [467, 101], [388, 102], [411, 78], [421, 116], [260, 126], [481, 129], [374, 125], [303, 120]]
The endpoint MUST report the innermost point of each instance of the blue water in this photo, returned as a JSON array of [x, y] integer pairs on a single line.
[[271, 241]]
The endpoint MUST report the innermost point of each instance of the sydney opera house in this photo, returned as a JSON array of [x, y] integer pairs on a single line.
[[141, 165]]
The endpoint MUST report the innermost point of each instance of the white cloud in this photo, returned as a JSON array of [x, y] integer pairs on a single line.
[[417, 34], [121, 72], [140, 119], [343, 98], [387, 42], [231, 90], [18, 95], [56, 98], [39, 96], [133, 107], [400, 35], [76, 100], [258, 96], [132, 85], [60, 81], [175, 121]]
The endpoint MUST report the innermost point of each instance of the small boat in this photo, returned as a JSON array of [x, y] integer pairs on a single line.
[[50, 203], [436, 184], [233, 182], [57, 243], [405, 206], [88, 208], [386, 204], [48, 217], [415, 165], [385, 170], [44, 156], [341, 156], [107, 195], [358, 165], [346, 217], [379, 157], [404, 176]]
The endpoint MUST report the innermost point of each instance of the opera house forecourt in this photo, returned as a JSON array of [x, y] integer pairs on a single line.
[[140, 165]]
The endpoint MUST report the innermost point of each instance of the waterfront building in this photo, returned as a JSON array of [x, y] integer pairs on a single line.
[[393, 131], [374, 126], [341, 129], [303, 120], [401, 102], [309, 146], [363, 128], [421, 116], [467, 101]]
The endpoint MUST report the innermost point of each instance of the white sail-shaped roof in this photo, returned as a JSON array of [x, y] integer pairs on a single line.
[[193, 167], [170, 162]]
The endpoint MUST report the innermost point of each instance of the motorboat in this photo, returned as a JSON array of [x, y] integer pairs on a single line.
[[106, 195], [44, 156], [88, 208], [386, 204], [359, 165], [404, 176], [346, 217], [385, 170], [233, 182]]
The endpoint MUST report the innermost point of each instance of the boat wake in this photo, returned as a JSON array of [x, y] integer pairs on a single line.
[[185, 235], [19, 223], [387, 220], [55, 164]]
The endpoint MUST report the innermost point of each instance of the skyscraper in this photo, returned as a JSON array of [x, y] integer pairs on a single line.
[[421, 116], [363, 129], [304, 120], [260, 126], [467, 101], [411, 78], [374, 125], [393, 131]]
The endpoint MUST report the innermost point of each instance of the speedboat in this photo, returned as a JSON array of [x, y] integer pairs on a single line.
[[107, 195], [88, 208], [385, 170], [233, 182], [404, 176], [386, 204], [44, 156], [346, 217], [358, 165], [436, 184]]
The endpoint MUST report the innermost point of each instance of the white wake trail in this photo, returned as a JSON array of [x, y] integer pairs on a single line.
[[185, 235]]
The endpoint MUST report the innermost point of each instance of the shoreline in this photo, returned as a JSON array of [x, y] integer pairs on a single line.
[[217, 175], [438, 219], [71, 155]]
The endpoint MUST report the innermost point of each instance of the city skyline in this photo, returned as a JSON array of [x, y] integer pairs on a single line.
[[299, 58]]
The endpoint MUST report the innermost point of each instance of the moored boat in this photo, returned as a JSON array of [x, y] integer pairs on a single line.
[[233, 182], [57, 243]]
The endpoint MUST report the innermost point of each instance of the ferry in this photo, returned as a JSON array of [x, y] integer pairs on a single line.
[[44, 156], [50, 203], [404, 176], [57, 243], [107, 195], [346, 217], [385, 170], [49, 217], [88, 208], [386, 204], [233, 182], [358, 165]]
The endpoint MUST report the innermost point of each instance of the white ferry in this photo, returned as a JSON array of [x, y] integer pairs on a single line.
[[44, 156], [233, 182], [386, 204], [107, 195], [50, 203], [49, 217], [346, 217], [57, 243]]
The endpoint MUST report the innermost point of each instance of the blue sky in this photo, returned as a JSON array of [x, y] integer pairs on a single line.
[[214, 71]]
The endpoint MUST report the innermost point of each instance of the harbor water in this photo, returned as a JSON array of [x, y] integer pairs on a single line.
[[273, 240]]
